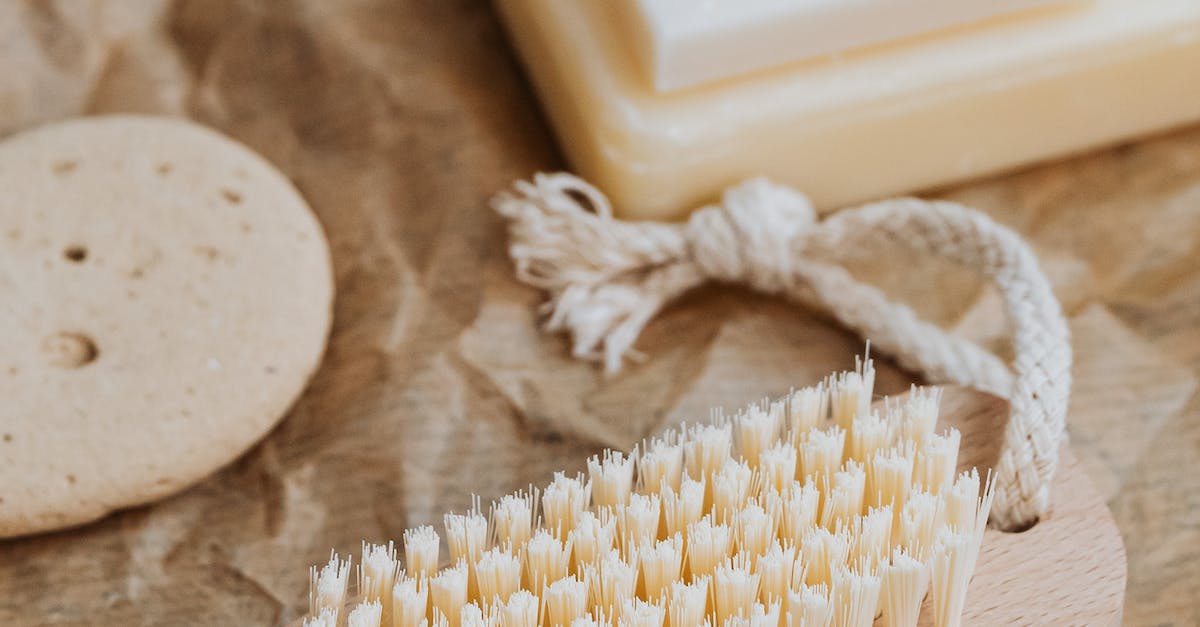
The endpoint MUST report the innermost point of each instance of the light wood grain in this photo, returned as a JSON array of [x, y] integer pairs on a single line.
[[1069, 569]]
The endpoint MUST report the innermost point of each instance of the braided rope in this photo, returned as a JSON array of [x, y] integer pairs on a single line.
[[608, 278]]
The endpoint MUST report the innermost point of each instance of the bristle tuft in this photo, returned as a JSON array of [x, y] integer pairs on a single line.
[[811, 511], [611, 476], [661, 462], [807, 408], [448, 592], [810, 606], [855, 598], [905, 580], [566, 600], [366, 614], [421, 547], [327, 588]]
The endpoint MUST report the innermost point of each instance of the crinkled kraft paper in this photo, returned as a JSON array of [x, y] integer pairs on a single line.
[[397, 120]]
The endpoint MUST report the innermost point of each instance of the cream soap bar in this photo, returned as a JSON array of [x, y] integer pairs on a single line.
[[873, 122], [680, 43]]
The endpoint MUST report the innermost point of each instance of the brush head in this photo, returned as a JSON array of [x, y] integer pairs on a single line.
[[814, 510]]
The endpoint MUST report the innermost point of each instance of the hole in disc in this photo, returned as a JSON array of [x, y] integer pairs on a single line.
[[75, 254], [69, 350]]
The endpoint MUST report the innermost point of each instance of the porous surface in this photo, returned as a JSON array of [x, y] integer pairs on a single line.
[[166, 294]]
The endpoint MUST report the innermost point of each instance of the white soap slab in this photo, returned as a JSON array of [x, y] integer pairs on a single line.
[[890, 119], [681, 43]]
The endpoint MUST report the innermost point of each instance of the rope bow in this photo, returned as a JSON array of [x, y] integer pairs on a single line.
[[608, 278]]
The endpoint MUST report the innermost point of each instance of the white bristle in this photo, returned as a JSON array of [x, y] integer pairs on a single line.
[[735, 589], [706, 449], [562, 502], [775, 569], [325, 618], [962, 506], [959, 500], [592, 538], [521, 610], [844, 495], [951, 563], [810, 606], [777, 466], [640, 613], [466, 536], [984, 509], [473, 616], [905, 580], [611, 475], [870, 433], [767, 615], [376, 576], [807, 408], [872, 534], [661, 565], [779, 413], [638, 521], [775, 511], [730, 487], [820, 452], [918, 522], [448, 592], [547, 559], [708, 545], [566, 600], [889, 476], [850, 393], [498, 574], [513, 516], [756, 430], [920, 413], [597, 618], [893, 419], [684, 506], [855, 598], [936, 461], [611, 581], [688, 603], [421, 547], [662, 461], [410, 601], [760, 615], [822, 552], [754, 530], [365, 614], [327, 589], [798, 512]]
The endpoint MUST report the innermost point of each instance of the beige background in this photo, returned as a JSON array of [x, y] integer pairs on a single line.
[[397, 119]]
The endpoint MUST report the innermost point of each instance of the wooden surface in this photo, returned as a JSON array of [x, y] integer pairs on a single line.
[[1069, 569], [397, 120]]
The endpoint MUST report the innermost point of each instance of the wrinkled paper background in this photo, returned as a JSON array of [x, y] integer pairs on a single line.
[[397, 120]]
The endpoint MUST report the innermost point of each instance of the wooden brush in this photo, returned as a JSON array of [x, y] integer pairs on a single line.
[[818, 510]]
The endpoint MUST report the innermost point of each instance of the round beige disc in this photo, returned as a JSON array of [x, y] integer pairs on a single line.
[[165, 294]]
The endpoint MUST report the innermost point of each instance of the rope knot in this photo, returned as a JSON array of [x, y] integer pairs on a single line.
[[752, 236], [608, 278]]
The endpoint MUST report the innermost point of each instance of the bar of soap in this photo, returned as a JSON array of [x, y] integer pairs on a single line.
[[881, 121], [681, 43]]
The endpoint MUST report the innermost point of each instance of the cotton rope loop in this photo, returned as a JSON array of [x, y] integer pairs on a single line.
[[607, 278]]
